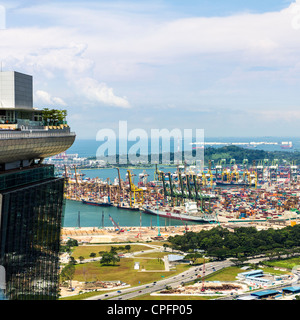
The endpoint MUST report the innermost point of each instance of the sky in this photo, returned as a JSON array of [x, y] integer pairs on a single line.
[[230, 67]]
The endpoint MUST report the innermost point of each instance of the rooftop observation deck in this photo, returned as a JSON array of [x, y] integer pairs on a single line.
[[27, 133], [30, 143]]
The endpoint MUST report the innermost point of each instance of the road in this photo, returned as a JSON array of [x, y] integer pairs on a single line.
[[186, 276]]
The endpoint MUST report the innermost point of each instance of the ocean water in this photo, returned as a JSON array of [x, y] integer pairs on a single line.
[[83, 215], [88, 148]]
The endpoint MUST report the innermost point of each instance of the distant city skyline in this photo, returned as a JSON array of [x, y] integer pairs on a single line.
[[228, 67]]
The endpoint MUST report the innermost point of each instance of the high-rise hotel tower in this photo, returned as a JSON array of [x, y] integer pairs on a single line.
[[31, 197]]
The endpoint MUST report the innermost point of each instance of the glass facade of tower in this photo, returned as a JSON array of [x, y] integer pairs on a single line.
[[31, 214]]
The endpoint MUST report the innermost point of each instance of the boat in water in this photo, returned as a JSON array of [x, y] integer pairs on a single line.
[[286, 145], [97, 203], [191, 214], [233, 183], [127, 207]]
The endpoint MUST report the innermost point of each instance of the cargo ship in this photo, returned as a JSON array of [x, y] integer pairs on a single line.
[[96, 203], [286, 145], [127, 207], [191, 214], [232, 183]]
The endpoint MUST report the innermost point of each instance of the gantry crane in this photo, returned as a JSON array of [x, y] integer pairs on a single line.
[[246, 177], [219, 168], [137, 193], [226, 176], [234, 175], [273, 170], [293, 172], [245, 163], [120, 187], [232, 162]]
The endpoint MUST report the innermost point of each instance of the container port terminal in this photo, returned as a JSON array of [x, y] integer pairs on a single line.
[[264, 194]]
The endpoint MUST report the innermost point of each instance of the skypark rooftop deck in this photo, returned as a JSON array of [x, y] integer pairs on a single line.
[[28, 145]]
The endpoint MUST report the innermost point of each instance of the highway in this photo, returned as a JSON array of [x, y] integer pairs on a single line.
[[186, 276]]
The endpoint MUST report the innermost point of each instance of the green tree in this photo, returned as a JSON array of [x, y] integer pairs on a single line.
[[243, 242], [115, 258], [92, 254], [165, 245], [193, 256], [67, 273], [72, 260], [53, 116], [218, 253], [113, 250], [108, 258], [72, 243]]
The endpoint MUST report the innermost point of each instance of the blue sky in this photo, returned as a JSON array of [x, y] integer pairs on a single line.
[[228, 67]]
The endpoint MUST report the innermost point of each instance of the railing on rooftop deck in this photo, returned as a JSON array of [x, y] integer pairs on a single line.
[[15, 134], [28, 122], [2, 121]]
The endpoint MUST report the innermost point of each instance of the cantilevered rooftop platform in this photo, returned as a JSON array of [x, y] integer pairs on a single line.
[[25, 135]]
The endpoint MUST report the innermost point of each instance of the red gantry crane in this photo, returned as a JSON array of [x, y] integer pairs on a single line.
[[203, 276], [115, 224]]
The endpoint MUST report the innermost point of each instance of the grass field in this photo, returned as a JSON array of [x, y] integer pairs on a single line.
[[153, 254], [227, 274], [85, 251], [150, 264], [124, 271], [286, 263]]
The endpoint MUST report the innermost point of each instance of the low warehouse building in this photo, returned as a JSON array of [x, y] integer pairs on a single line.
[[291, 290], [265, 294]]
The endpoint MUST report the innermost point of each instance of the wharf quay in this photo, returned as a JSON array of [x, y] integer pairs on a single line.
[[92, 235], [128, 234]]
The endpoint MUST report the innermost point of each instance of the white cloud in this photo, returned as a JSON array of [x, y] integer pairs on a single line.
[[100, 92], [45, 98], [113, 44], [68, 59]]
